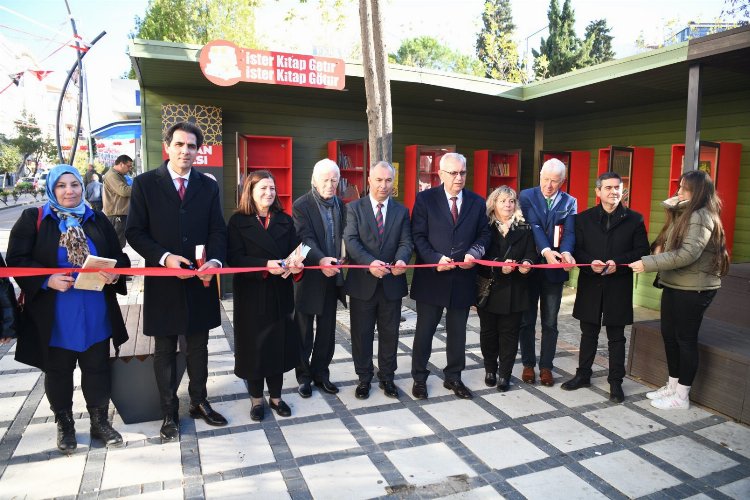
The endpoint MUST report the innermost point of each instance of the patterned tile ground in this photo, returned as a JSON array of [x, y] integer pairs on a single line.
[[531, 441]]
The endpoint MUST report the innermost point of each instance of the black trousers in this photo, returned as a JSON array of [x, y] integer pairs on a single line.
[[589, 344], [95, 376], [428, 318], [255, 386], [165, 369], [498, 337], [681, 317], [364, 315], [317, 349], [119, 222]]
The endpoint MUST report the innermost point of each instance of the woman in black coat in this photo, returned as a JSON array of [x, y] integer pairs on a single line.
[[63, 325], [266, 339], [500, 317]]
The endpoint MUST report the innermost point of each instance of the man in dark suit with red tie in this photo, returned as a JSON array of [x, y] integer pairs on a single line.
[[377, 234], [551, 213], [172, 210], [450, 228]]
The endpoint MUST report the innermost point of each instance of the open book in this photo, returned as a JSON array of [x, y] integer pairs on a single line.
[[92, 281]]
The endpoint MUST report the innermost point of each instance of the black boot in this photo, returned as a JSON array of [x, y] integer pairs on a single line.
[[101, 428], [580, 380], [616, 394], [66, 431]]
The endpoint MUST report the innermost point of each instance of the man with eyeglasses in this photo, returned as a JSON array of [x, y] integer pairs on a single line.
[[449, 228]]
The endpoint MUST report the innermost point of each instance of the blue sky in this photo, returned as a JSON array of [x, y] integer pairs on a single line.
[[454, 22]]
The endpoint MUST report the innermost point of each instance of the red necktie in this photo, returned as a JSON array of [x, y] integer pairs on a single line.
[[181, 189], [379, 221], [454, 209]]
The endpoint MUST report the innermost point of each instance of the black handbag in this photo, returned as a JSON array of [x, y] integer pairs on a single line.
[[9, 310], [484, 286]]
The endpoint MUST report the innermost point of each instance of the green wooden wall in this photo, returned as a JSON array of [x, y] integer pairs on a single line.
[[725, 118], [311, 124]]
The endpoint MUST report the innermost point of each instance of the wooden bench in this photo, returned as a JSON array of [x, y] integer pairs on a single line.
[[134, 391], [723, 379]]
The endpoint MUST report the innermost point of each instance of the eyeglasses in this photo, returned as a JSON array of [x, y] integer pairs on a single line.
[[462, 173]]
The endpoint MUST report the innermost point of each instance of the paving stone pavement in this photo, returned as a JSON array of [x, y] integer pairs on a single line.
[[531, 442]]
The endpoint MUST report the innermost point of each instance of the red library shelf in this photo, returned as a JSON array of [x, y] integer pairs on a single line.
[[722, 162], [262, 152], [636, 167], [496, 168], [577, 179], [422, 166], [352, 158]]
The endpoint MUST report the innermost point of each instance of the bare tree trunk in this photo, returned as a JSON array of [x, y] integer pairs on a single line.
[[377, 84]]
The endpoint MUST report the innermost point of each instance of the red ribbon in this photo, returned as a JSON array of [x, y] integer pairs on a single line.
[[21, 272]]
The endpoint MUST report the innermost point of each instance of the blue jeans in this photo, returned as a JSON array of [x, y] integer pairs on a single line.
[[548, 295]]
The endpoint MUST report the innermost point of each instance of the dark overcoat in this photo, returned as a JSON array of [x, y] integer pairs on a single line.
[[159, 222], [266, 339], [608, 299], [364, 246], [509, 292], [309, 291], [436, 235], [28, 247]]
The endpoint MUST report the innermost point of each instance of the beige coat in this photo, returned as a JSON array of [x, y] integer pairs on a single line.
[[691, 266], [115, 193]]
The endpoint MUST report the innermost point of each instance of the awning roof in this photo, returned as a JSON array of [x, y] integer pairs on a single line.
[[126, 129]]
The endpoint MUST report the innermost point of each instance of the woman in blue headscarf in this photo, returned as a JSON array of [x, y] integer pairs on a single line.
[[63, 325]]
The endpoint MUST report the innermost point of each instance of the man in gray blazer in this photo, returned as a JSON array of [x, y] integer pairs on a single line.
[[377, 234]]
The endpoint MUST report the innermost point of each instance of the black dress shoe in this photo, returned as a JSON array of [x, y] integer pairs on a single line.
[[490, 379], [282, 409], [209, 415], [327, 386], [257, 412], [502, 384], [576, 382], [458, 388], [389, 388], [305, 390], [362, 391], [616, 395], [169, 428], [419, 390]]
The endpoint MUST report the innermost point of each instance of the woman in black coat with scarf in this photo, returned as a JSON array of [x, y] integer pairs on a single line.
[[500, 316], [266, 338], [63, 325]]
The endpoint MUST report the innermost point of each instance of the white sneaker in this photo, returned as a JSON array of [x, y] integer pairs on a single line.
[[661, 392], [671, 402]]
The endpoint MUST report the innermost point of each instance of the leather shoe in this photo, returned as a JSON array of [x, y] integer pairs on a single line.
[[389, 388], [419, 390], [528, 375], [169, 428], [545, 377], [502, 384], [362, 391], [305, 390], [616, 395], [458, 388], [282, 409], [327, 386], [490, 379], [577, 382], [209, 415], [257, 412]]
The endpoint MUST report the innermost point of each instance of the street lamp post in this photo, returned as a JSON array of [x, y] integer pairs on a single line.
[[528, 54]]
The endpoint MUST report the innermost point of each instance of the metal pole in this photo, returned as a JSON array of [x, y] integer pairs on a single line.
[[528, 54], [693, 125]]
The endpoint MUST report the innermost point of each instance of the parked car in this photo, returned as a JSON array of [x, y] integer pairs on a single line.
[[26, 180], [41, 181]]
